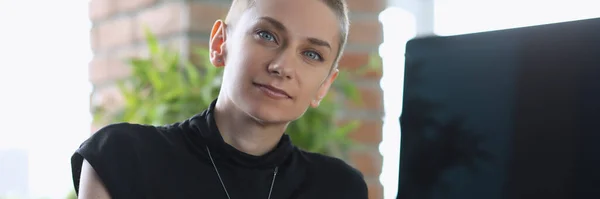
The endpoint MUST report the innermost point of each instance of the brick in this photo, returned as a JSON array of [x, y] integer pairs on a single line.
[[109, 98], [372, 99], [163, 20], [367, 74], [107, 69], [114, 33], [372, 74], [367, 162], [366, 5], [97, 70], [130, 5], [94, 39], [127, 53], [204, 15], [117, 68], [101, 9], [375, 190], [173, 45], [368, 132], [357, 65], [353, 60], [369, 32]]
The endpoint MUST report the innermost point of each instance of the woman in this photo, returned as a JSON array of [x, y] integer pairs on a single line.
[[279, 58]]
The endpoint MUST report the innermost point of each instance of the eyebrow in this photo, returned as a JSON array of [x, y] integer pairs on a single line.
[[275, 23], [319, 42], [278, 25]]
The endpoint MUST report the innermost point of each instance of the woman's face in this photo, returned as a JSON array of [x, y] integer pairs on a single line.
[[278, 58]]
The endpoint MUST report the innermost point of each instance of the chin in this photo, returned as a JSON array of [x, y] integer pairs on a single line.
[[265, 112], [265, 109]]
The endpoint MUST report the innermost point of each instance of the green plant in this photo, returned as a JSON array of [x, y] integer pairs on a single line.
[[164, 89], [72, 195]]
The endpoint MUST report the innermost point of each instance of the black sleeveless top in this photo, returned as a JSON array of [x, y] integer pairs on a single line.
[[140, 161]]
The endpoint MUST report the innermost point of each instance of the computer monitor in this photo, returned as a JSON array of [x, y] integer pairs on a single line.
[[509, 114]]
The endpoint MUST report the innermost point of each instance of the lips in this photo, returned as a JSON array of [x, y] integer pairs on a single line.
[[272, 91]]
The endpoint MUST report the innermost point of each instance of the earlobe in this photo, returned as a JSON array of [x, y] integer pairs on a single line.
[[324, 89], [217, 44], [315, 103]]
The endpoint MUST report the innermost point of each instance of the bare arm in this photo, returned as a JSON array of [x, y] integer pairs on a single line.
[[90, 185]]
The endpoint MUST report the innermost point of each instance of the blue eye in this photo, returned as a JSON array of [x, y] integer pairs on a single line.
[[313, 55], [266, 36]]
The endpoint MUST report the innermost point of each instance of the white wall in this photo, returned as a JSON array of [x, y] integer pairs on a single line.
[[44, 54], [454, 17], [14, 172]]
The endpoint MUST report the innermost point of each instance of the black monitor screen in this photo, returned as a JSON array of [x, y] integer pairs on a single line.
[[510, 114]]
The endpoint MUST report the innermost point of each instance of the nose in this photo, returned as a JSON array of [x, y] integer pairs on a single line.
[[283, 65]]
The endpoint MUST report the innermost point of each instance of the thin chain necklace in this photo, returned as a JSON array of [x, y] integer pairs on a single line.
[[223, 184]]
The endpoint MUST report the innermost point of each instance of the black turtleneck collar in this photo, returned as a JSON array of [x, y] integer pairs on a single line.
[[204, 129], [172, 162]]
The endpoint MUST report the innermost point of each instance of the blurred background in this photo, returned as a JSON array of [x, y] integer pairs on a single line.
[[60, 61]]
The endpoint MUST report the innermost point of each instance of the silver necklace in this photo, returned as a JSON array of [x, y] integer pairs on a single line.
[[223, 184]]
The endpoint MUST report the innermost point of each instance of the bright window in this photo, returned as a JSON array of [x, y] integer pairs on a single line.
[[44, 110], [454, 17], [398, 27]]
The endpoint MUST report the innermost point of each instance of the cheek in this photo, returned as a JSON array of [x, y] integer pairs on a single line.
[[241, 56], [311, 87], [254, 55]]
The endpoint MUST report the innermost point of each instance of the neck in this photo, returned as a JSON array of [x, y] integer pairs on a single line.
[[244, 132]]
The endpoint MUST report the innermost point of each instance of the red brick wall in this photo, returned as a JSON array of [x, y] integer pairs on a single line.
[[117, 33]]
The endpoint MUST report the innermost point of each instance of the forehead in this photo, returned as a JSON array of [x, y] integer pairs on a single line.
[[302, 18]]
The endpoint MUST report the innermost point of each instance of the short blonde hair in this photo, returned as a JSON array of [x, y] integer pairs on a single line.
[[340, 7]]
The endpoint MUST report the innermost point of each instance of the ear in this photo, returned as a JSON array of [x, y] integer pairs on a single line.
[[324, 88], [217, 44]]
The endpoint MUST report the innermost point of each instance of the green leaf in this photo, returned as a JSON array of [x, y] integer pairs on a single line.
[[192, 74], [165, 88], [374, 62], [152, 42]]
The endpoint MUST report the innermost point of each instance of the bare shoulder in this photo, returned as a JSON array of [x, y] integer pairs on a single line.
[[90, 185]]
